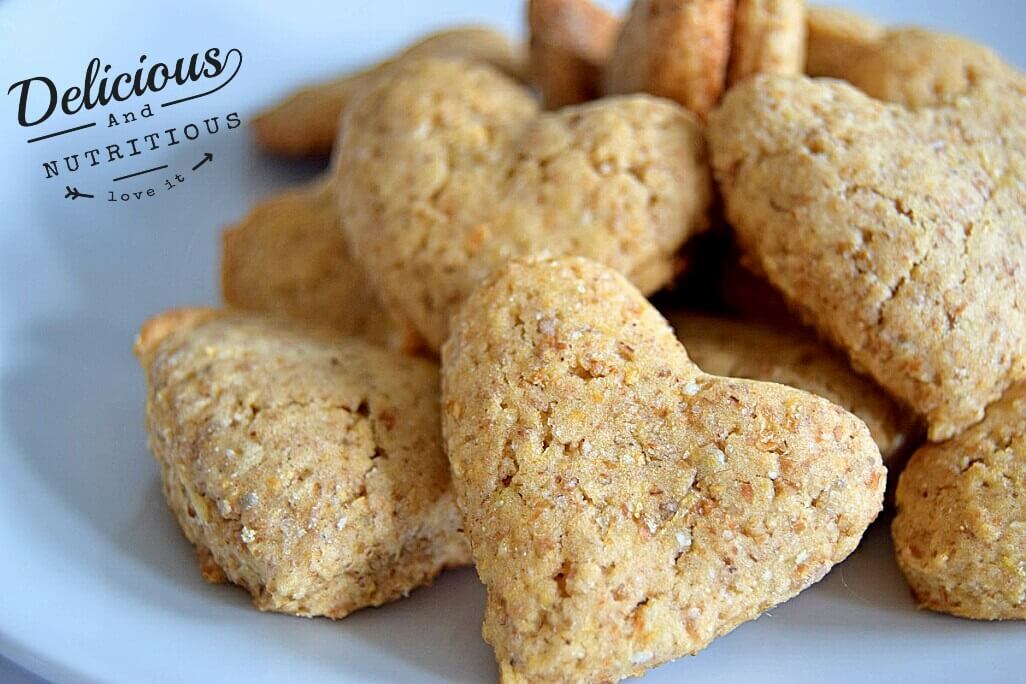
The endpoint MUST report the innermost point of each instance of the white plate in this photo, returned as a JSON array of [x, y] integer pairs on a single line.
[[96, 583]]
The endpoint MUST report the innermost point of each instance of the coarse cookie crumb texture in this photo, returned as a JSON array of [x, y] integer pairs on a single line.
[[768, 38], [571, 41], [960, 531], [901, 235], [307, 122], [303, 466], [625, 508], [793, 356], [288, 256], [676, 49], [448, 169]]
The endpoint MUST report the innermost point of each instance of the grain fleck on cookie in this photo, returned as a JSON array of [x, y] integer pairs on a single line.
[[448, 169], [900, 234], [625, 508], [304, 466], [960, 529]]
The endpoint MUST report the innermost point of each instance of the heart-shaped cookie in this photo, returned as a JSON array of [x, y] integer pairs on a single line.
[[304, 466], [623, 507], [447, 169], [960, 529], [900, 234]]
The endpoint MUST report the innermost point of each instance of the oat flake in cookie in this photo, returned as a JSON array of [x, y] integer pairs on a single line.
[[303, 466], [625, 508]]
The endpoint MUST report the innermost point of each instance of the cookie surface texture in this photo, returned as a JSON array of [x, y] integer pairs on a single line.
[[794, 357], [900, 235], [625, 508], [448, 169], [304, 466], [677, 49], [960, 531], [919, 68]]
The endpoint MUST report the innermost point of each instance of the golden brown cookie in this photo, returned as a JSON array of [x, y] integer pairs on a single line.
[[625, 508], [768, 38], [306, 122], [304, 466], [447, 169], [288, 256], [676, 49], [900, 235], [835, 38], [794, 357], [919, 68], [960, 531], [571, 41]]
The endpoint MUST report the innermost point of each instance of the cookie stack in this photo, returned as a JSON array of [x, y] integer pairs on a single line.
[[441, 352]]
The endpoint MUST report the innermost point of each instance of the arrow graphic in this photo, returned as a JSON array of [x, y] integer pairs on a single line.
[[73, 193], [206, 157]]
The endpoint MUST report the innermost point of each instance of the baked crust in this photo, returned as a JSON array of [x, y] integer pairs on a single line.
[[960, 530], [835, 38], [625, 508], [793, 356], [919, 68], [900, 235], [676, 49], [448, 169], [304, 466], [769, 38]]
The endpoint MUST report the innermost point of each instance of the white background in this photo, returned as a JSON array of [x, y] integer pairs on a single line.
[[96, 583]]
